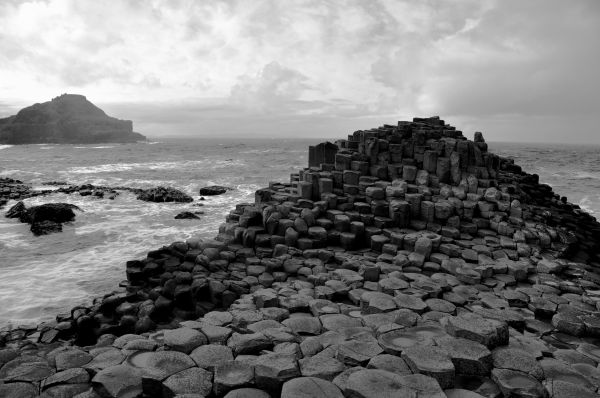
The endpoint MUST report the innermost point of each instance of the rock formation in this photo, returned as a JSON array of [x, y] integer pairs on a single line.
[[417, 264], [45, 218], [213, 190], [67, 119]]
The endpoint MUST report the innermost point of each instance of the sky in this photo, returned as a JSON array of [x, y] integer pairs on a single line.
[[517, 70]]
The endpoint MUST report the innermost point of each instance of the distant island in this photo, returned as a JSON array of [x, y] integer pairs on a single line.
[[67, 119]]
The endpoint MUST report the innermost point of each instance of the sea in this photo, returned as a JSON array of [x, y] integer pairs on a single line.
[[46, 275]]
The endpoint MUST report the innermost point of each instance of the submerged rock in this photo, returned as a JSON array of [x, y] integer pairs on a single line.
[[186, 215], [213, 190]]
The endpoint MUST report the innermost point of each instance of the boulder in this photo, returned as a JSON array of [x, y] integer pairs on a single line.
[[213, 190], [163, 194], [310, 387], [186, 215]]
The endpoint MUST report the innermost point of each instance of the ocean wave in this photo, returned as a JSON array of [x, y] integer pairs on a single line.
[[114, 167], [588, 205], [95, 147], [5, 146], [19, 172], [583, 175]]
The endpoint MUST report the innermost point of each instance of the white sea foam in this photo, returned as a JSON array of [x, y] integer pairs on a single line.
[[13, 172], [583, 175], [5, 146], [116, 167], [95, 147], [586, 204]]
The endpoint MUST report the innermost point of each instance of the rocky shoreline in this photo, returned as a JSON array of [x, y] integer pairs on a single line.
[[405, 261]]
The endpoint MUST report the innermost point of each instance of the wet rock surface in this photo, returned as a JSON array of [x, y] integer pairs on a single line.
[[163, 194], [45, 218], [416, 264], [213, 190]]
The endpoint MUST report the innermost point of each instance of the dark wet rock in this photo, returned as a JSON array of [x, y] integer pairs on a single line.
[[16, 211], [163, 194], [213, 190], [45, 228], [55, 212], [187, 215]]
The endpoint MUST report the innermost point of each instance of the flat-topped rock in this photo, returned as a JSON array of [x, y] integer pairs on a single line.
[[231, 375], [488, 332], [210, 355], [310, 387], [188, 381], [515, 359], [375, 383], [160, 364], [431, 361], [515, 383], [119, 381]]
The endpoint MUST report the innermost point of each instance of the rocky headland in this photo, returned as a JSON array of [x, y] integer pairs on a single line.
[[405, 261], [67, 119]]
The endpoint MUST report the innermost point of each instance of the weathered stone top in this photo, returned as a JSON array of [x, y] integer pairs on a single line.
[[417, 264], [67, 119]]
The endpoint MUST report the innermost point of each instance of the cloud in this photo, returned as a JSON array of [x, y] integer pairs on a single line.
[[272, 88], [487, 62]]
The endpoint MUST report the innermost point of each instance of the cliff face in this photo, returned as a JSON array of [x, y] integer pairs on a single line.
[[67, 119]]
